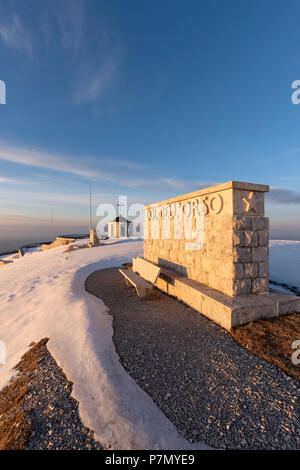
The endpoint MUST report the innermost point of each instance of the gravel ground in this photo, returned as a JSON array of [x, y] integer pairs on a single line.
[[49, 408], [212, 389]]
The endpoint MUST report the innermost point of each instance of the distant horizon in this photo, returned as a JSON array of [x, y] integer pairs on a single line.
[[7, 245], [35, 229]]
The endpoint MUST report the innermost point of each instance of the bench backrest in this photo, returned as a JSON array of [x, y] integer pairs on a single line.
[[145, 269]]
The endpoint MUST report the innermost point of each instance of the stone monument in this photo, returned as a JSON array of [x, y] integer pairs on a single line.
[[213, 247]]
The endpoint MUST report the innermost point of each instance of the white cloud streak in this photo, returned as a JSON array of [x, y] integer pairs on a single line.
[[288, 153], [69, 18], [283, 196], [15, 35], [39, 199], [35, 158], [8, 180], [97, 78], [66, 23], [90, 170]]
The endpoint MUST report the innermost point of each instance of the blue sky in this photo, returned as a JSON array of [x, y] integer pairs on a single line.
[[148, 98]]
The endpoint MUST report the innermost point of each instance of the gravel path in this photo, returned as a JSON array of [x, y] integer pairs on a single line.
[[206, 384], [51, 411]]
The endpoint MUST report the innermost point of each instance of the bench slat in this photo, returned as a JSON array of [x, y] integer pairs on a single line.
[[142, 287], [134, 278], [145, 269]]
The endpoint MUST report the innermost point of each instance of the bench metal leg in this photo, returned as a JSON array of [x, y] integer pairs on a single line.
[[128, 284]]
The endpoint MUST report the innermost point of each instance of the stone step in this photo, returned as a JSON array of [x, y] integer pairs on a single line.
[[224, 310]]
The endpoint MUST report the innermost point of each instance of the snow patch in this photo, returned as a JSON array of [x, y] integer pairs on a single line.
[[285, 262], [43, 295]]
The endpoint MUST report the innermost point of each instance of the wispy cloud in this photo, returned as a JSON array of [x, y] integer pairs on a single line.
[[184, 185], [64, 21], [126, 174], [96, 51], [290, 178], [283, 196], [18, 181], [99, 78], [162, 184], [15, 35], [286, 154], [97, 65], [44, 199], [100, 55], [35, 158], [89, 169], [54, 22]]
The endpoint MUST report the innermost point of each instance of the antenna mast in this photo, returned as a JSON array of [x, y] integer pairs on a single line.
[[52, 224], [90, 216]]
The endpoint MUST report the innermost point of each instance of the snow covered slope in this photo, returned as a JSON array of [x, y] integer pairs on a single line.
[[285, 262], [43, 295]]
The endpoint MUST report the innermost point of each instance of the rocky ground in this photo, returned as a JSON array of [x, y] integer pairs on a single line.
[[37, 409], [211, 388]]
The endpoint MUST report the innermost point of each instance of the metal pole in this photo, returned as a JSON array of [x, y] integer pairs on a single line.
[[90, 206], [119, 205], [52, 224]]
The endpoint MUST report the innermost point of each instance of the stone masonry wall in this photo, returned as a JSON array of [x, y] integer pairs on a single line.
[[232, 253]]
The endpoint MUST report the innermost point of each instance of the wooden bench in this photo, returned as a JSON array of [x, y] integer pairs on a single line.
[[143, 275]]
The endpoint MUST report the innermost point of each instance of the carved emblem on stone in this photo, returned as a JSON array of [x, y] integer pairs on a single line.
[[250, 203]]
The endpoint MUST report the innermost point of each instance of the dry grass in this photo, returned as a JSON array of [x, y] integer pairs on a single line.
[[272, 340], [14, 425]]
